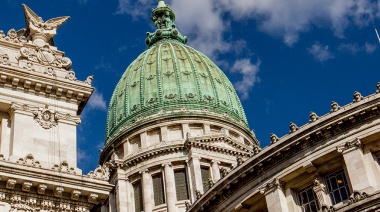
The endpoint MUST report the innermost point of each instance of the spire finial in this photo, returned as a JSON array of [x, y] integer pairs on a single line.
[[163, 18]]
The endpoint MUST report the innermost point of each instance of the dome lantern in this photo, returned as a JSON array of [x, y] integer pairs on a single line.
[[163, 18]]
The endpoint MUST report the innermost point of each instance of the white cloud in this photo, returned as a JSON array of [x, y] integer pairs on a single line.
[[354, 48], [370, 48], [320, 52], [103, 65], [82, 156], [286, 19], [205, 23], [249, 76], [351, 48], [97, 101]]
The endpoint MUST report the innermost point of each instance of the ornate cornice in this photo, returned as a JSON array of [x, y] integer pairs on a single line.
[[205, 142], [338, 125]]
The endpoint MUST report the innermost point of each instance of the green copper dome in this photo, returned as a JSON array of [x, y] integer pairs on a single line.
[[171, 79]]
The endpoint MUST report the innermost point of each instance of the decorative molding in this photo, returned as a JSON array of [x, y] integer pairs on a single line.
[[41, 188], [45, 117], [11, 183], [26, 186], [93, 198], [68, 117], [357, 196], [223, 172], [356, 144], [64, 167], [89, 80], [210, 183], [101, 173], [75, 194], [198, 194], [58, 191], [12, 37], [272, 185], [4, 59], [239, 161], [28, 160], [187, 205]]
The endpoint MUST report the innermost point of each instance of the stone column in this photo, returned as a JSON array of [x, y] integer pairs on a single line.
[[196, 176], [215, 170], [130, 202], [121, 191], [147, 190], [171, 197], [112, 202], [321, 192], [360, 174], [274, 196]]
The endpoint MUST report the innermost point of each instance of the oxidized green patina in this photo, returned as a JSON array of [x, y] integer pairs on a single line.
[[171, 76]]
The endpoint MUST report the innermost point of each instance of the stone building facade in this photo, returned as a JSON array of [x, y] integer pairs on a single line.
[[40, 105], [177, 138]]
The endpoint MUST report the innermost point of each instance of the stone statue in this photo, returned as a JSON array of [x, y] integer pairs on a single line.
[[357, 97], [313, 117], [334, 107], [293, 127]]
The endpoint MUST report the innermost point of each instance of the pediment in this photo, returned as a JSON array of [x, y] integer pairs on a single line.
[[219, 143]]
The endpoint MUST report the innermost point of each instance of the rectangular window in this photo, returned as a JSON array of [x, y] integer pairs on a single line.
[[308, 200], [337, 187], [137, 192], [377, 154], [158, 189], [205, 172], [181, 185]]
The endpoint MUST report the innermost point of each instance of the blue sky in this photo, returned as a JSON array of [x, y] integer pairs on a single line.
[[285, 58]]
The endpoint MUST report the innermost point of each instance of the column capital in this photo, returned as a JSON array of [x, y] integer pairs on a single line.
[[272, 185], [215, 161], [144, 171], [349, 146], [167, 164]]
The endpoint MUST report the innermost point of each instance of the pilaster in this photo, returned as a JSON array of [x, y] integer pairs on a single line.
[[185, 130], [360, 174], [143, 139], [121, 191], [164, 133], [195, 174], [274, 196]]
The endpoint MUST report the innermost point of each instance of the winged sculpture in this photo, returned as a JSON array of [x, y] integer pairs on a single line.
[[51, 24]]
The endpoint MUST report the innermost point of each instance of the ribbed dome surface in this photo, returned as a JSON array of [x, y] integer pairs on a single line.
[[172, 76]]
